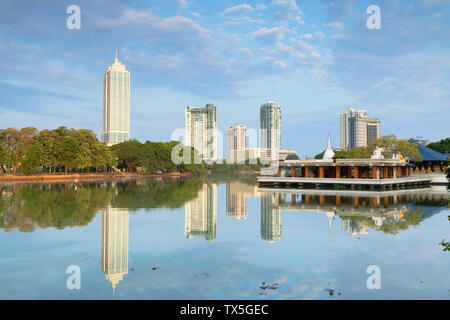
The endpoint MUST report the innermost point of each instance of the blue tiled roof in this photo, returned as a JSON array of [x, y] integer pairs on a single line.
[[429, 154]]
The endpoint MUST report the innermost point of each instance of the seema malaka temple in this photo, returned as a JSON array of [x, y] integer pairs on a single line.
[[376, 173]]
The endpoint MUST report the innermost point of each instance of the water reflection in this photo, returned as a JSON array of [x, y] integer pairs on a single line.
[[386, 212], [253, 218], [201, 214], [271, 217], [237, 194], [114, 256]]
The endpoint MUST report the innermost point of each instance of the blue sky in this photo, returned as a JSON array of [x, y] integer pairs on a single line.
[[315, 58]]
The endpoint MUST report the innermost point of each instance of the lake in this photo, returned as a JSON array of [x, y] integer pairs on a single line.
[[220, 237]]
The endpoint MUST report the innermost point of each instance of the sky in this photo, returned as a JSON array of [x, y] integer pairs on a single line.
[[315, 58]]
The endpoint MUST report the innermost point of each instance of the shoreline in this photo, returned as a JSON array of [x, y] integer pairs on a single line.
[[83, 177]]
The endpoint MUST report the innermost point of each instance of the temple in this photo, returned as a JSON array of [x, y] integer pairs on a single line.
[[374, 173]]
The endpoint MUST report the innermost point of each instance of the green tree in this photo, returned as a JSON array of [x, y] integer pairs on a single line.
[[442, 146], [391, 144]]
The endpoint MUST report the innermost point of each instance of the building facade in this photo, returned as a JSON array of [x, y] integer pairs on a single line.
[[116, 104], [362, 131], [345, 119], [270, 118], [236, 143], [201, 131]]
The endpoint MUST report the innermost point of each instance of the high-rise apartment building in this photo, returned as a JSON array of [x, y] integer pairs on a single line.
[[116, 104], [362, 131], [236, 143], [201, 130], [357, 130], [270, 117]]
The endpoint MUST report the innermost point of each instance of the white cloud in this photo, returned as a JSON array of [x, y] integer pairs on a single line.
[[279, 63], [239, 9], [288, 10], [336, 25], [269, 35]]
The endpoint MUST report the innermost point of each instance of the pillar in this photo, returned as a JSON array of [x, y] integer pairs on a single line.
[[356, 202], [279, 171], [385, 172], [307, 198], [386, 202], [306, 172], [375, 203], [338, 201], [338, 172], [321, 172], [356, 172], [322, 199], [293, 171], [368, 173], [293, 199], [374, 173]]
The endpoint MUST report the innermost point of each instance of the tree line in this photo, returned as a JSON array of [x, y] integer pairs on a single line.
[[59, 150]]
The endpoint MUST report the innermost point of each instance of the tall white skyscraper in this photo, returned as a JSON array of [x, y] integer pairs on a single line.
[[270, 117], [116, 104], [201, 131], [236, 143], [345, 125]]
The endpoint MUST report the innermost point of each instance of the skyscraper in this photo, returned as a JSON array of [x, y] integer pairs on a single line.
[[362, 131], [345, 118], [201, 130], [270, 117], [357, 130], [236, 143], [114, 257], [116, 104]]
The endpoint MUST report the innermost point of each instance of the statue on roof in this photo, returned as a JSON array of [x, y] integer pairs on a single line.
[[377, 153]]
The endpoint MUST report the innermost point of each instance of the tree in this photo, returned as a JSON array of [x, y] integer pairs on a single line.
[[32, 160], [442, 146], [128, 154], [391, 144], [355, 153]]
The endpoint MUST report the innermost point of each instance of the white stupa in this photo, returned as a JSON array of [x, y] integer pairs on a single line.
[[329, 153]]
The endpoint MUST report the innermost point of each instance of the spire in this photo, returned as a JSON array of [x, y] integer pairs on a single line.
[[329, 153], [329, 140], [116, 56]]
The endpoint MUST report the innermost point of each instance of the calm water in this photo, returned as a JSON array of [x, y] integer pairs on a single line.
[[220, 238]]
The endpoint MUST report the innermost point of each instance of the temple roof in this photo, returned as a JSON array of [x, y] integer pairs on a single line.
[[429, 154]]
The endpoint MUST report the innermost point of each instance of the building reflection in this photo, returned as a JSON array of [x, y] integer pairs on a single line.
[[201, 214], [237, 194], [388, 212], [114, 257], [271, 217]]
